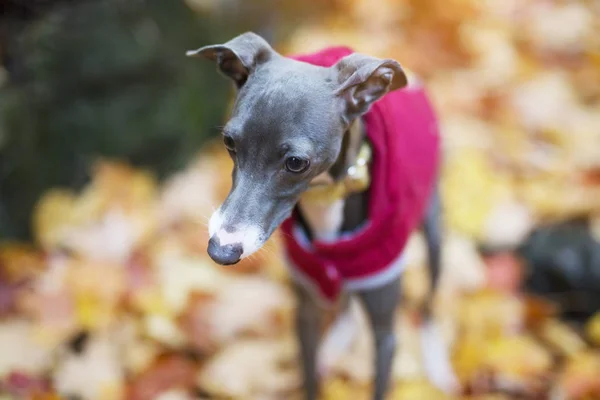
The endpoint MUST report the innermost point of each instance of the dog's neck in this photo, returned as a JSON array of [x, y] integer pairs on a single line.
[[326, 220]]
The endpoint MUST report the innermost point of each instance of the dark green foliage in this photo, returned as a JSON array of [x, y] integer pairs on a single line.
[[104, 78]]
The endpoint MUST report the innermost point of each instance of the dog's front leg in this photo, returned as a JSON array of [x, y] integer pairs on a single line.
[[380, 305], [436, 357], [309, 317]]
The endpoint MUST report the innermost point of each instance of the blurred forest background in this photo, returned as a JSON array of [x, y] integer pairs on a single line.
[[82, 80], [109, 171]]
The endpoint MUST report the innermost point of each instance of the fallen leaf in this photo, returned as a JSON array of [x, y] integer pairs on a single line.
[[172, 372]]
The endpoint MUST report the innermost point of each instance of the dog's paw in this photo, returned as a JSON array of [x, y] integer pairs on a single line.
[[436, 359]]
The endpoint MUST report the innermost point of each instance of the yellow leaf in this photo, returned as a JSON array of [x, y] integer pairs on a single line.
[[592, 329], [52, 214], [418, 390], [338, 389]]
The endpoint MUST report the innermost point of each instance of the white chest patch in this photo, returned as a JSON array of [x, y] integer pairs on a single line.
[[324, 220]]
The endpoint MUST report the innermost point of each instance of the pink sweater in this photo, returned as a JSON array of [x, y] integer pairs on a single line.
[[403, 131]]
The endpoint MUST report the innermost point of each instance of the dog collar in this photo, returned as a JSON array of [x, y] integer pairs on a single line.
[[357, 179]]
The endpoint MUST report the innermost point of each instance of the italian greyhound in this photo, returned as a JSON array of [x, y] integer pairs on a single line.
[[301, 138]]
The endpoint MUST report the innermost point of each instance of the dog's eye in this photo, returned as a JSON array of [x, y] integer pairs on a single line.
[[229, 143], [296, 165]]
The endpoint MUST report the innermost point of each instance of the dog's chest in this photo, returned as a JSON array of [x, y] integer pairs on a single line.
[[325, 220], [328, 221]]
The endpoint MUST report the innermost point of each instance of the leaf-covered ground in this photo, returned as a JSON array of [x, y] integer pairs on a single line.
[[118, 299]]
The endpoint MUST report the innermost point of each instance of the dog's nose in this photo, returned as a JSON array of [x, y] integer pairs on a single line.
[[224, 255]]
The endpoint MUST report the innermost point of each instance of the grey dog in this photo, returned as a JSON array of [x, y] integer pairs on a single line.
[[289, 128]]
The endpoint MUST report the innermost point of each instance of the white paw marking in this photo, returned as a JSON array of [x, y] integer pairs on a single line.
[[436, 359]]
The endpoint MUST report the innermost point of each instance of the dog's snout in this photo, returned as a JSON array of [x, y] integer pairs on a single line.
[[225, 255], [230, 242]]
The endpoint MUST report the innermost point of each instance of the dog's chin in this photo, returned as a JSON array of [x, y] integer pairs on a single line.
[[227, 263]]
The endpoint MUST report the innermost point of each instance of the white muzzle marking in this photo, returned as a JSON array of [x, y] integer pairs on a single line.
[[247, 235]]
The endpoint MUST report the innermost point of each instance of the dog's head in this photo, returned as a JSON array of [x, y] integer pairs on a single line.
[[286, 129]]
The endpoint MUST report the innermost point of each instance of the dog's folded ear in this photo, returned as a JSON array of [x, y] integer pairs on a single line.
[[364, 79], [237, 58]]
